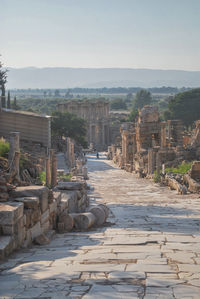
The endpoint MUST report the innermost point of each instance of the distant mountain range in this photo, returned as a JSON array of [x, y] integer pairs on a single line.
[[63, 77]]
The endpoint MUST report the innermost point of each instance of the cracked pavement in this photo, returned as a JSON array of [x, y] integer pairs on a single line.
[[148, 249]]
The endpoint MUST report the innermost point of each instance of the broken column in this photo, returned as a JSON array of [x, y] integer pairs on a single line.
[[163, 134], [14, 154]]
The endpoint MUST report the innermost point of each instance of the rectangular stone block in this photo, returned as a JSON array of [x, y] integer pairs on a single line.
[[44, 217], [13, 229], [28, 215], [29, 202], [53, 207], [6, 246], [57, 196], [45, 227], [10, 212], [35, 216], [71, 185], [41, 192], [36, 230], [21, 236]]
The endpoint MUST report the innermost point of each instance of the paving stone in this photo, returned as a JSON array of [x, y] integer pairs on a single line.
[[189, 268], [150, 226], [153, 261], [184, 291], [127, 288], [158, 293], [150, 268], [103, 291], [120, 275], [162, 282]]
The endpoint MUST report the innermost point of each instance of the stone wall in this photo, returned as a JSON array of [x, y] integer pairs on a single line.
[[32, 127], [32, 211]]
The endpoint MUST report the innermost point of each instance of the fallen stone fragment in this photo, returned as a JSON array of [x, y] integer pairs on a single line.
[[71, 185], [83, 221], [194, 186], [99, 214], [175, 185], [65, 222], [41, 240]]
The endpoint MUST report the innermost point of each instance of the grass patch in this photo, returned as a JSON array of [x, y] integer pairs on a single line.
[[4, 148], [65, 176], [181, 169], [156, 177], [42, 177]]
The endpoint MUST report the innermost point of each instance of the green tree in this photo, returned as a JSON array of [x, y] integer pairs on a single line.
[[142, 98], [69, 125], [184, 106], [118, 104], [3, 80], [8, 101], [133, 115]]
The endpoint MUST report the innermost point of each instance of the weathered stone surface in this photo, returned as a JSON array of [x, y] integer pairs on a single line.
[[44, 217], [139, 253], [10, 212], [29, 202], [6, 246], [83, 221], [194, 186], [195, 170], [99, 213], [41, 240], [36, 230], [53, 207], [4, 196], [71, 186], [41, 192]]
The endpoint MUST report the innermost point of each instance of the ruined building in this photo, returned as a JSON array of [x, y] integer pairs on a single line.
[[149, 143], [96, 113]]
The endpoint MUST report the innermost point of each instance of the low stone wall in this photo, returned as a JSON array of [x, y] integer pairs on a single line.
[[33, 211]]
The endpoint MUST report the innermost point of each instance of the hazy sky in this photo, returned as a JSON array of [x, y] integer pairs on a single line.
[[157, 34]]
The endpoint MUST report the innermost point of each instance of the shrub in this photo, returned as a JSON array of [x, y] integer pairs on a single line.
[[4, 148], [181, 169], [156, 177], [42, 177]]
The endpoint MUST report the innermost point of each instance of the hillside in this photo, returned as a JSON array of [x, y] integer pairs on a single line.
[[55, 77]]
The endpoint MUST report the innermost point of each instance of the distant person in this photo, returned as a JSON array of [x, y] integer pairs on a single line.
[[97, 155]]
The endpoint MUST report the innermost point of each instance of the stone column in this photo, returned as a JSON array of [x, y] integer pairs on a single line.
[[54, 170], [14, 152], [163, 134], [151, 161], [158, 163], [48, 172]]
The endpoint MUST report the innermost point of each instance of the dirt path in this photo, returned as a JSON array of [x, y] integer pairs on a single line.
[[150, 247]]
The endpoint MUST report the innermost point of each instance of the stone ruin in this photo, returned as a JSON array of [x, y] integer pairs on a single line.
[[31, 213], [149, 146], [96, 113]]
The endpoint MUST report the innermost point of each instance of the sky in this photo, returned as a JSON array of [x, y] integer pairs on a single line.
[[153, 34]]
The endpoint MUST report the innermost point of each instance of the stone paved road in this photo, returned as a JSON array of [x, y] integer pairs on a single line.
[[150, 247]]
